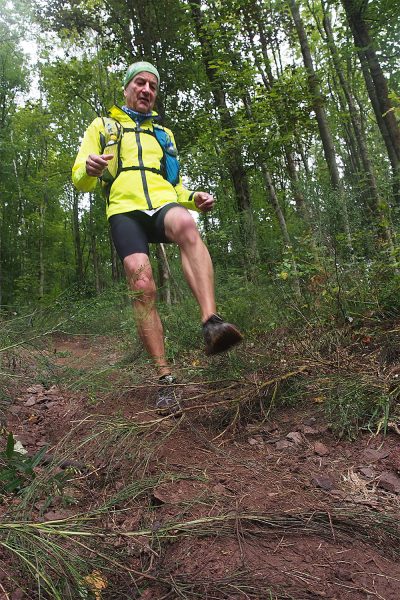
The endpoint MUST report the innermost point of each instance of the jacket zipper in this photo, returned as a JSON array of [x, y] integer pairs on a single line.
[[141, 164]]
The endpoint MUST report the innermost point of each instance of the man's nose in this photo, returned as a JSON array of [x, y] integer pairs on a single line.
[[146, 87]]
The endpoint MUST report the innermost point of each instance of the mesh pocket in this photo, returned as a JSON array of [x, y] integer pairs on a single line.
[[110, 173]]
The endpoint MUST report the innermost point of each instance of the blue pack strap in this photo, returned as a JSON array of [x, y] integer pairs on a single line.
[[170, 162]]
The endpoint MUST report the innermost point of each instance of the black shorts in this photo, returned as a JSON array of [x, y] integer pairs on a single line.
[[133, 232]]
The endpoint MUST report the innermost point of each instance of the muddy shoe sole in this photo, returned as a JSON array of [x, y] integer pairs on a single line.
[[220, 336], [172, 409], [167, 403]]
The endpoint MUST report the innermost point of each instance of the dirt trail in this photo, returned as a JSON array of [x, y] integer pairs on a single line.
[[273, 508]]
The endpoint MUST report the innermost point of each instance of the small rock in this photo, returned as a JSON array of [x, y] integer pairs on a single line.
[[53, 391], [307, 430], [344, 575], [323, 482], [40, 397], [390, 482], [367, 472], [322, 429], [295, 437], [15, 410], [394, 460], [271, 427], [282, 444], [55, 515], [17, 594], [49, 404], [310, 421], [371, 455], [219, 489], [31, 401], [252, 442], [35, 389], [321, 449]]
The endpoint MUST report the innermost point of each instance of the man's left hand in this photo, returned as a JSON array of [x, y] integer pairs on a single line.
[[204, 201]]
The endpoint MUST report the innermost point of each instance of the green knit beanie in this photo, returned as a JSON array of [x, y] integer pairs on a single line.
[[139, 67]]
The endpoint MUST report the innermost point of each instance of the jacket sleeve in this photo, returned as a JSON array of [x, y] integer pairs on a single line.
[[90, 145], [184, 196]]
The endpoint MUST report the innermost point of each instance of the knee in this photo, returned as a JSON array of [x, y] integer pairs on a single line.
[[187, 232], [143, 286]]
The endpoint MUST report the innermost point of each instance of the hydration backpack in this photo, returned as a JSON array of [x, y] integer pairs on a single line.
[[111, 144]]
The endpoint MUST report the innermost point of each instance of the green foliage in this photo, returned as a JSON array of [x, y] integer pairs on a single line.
[[17, 470], [356, 403]]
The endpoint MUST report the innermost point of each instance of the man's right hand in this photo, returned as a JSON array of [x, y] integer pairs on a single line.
[[95, 164]]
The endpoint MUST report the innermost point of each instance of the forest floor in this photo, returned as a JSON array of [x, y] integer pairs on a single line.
[[244, 496]]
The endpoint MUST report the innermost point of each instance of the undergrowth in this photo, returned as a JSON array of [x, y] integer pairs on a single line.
[[340, 355]]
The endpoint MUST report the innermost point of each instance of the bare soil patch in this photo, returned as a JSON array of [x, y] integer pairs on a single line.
[[215, 504]]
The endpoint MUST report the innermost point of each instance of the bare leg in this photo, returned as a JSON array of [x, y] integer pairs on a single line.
[[141, 282], [196, 262]]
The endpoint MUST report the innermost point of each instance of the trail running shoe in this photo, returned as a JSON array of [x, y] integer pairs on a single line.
[[219, 335], [167, 403]]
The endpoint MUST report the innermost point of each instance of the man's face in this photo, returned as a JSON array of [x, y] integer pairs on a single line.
[[141, 92]]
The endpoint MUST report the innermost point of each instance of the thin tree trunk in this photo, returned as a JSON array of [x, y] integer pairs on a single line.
[[42, 213], [282, 224], [77, 237], [376, 85], [323, 126], [93, 247], [1, 258], [163, 274], [376, 202], [317, 97], [114, 258], [234, 159]]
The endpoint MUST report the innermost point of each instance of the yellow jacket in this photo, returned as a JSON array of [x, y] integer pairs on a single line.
[[132, 189]]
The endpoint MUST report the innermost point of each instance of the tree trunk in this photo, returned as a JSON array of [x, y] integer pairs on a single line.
[[77, 237], [114, 258], [93, 248], [42, 213], [314, 87], [282, 224], [164, 273], [376, 85], [375, 202], [234, 160], [323, 126]]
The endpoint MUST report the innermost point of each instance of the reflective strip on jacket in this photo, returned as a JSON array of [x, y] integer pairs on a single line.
[[132, 189]]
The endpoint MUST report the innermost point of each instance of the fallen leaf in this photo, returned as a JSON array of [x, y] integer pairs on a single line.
[[96, 582], [319, 399]]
